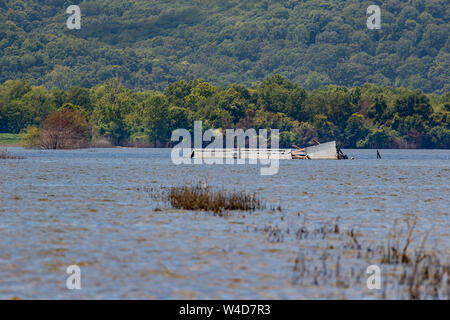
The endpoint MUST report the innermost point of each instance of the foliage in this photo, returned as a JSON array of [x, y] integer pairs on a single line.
[[368, 116], [31, 137], [65, 128], [150, 45]]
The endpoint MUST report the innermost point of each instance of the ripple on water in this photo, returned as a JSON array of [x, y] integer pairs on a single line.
[[84, 207]]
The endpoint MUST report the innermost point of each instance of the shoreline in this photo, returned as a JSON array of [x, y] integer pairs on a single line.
[[16, 145], [10, 145]]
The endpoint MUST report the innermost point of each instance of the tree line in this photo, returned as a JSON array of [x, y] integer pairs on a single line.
[[151, 44], [368, 116]]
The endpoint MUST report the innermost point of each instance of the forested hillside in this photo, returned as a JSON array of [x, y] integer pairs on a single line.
[[368, 116], [149, 44]]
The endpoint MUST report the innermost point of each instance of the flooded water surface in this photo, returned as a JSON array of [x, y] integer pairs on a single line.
[[93, 208]]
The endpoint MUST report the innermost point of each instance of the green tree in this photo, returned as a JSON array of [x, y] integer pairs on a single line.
[[412, 103], [112, 103], [355, 130], [377, 138]]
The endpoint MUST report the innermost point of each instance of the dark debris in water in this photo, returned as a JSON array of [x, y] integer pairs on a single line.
[[5, 154]]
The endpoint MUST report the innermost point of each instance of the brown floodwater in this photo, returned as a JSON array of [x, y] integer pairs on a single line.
[[93, 208]]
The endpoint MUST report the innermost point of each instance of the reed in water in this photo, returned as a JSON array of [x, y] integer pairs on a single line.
[[408, 273], [204, 197], [4, 154]]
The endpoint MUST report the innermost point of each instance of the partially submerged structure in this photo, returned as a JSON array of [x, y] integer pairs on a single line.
[[324, 151]]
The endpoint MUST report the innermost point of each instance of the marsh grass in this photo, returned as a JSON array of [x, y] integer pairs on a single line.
[[332, 256], [4, 154], [202, 197], [424, 272], [395, 252]]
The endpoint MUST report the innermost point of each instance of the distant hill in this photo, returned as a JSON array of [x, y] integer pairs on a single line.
[[149, 44]]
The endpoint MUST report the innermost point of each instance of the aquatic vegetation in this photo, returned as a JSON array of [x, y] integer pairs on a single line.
[[394, 252], [424, 272], [205, 198], [409, 273], [426, 276], [4, 154]]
